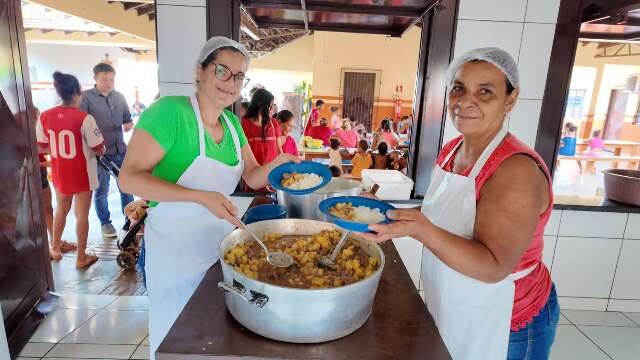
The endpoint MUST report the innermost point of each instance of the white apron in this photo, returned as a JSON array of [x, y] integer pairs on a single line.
[[182, 239], [473, 317]]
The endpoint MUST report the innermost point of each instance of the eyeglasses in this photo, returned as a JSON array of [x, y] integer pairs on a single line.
[[223, 73]]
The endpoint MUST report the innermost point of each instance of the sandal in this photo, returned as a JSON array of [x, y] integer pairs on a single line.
[[89, 260], [55, 257], [66, 247]]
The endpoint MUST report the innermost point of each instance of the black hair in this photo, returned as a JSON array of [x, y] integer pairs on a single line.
[[335, 171], [214, 55], [284, 116], [386, 125], [244, 105], [319, 102], [510, 87], [67, 86], [334, 143], [103, 68], [363, 144], [383, 148], [323, 121], [259, 106]]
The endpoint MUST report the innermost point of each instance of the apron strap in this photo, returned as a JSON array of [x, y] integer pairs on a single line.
[[495, 142], [234, 135], [196, 110], [522, 273], [453, 151]]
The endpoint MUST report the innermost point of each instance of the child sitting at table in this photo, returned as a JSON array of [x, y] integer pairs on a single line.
[[334, 153], [381, 160], [335, 171], [596, 144], [362, 159], [398, 161]]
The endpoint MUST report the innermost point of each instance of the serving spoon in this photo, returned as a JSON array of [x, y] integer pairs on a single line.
[[275, 258]]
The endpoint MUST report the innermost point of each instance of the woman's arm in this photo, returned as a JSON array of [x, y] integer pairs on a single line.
[[256, 176], [143, 154], [506, 217]]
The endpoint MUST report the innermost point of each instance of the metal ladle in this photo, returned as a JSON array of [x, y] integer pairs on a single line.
[[329, 261], [276, 258]]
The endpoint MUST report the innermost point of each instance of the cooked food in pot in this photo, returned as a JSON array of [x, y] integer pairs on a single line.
[[352, 264], [359, 214], [296, 181]]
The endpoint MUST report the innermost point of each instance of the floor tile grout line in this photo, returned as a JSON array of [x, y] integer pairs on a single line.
[[630, 319], [593, 342], [615, 271]]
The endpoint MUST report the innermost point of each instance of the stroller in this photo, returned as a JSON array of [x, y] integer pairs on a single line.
[[129, 244]]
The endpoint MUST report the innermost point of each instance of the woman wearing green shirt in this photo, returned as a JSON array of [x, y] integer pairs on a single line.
[[187, 154]]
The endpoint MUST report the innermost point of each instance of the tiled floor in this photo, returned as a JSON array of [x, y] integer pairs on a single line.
[[110, 327], [92, 327]]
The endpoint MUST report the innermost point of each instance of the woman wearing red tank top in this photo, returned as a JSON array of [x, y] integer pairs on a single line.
[[482, 223]]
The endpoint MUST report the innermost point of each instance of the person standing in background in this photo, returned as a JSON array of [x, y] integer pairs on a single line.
[[285, 117], [111, 112], [46, 197], [73, 139], [336, 119], [313, 117]]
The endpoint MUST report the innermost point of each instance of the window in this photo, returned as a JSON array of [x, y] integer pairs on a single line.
[[575, 104]]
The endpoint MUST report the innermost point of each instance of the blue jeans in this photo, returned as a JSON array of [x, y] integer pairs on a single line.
[[102, 193], [534, 342]]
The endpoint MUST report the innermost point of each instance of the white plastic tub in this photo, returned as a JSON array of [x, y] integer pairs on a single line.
[[394, 185]]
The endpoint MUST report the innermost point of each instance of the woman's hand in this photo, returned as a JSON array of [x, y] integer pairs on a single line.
[[285, 158], [408, 222], [220, 206]]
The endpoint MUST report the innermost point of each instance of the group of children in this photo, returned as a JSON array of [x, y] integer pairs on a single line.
[[364, 158]]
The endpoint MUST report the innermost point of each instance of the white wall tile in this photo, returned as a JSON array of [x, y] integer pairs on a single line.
[[542, 11], [524, 120], [509, 10], [410, 251], [633, 227], [171, 89], [554, 223], [592, 224], [548, 250], [626, 284], [181, 33], [573, 303], [584, 267], [473, 34], [202, 3], [624, 305], [535, 52]]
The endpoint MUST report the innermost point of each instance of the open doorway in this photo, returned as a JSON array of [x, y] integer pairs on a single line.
[[599, 127]]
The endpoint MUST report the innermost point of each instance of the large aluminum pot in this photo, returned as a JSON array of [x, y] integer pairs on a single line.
[[297, 315], [306, 206]]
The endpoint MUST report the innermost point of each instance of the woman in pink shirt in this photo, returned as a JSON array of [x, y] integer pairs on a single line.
[[385, 134], [348, 137], [285, 117], [596, 144]]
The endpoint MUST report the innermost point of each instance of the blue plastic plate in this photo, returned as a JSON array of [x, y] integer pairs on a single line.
[[325, 205], [305, 167]]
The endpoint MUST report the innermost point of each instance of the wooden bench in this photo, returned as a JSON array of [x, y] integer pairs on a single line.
[[591, 160]]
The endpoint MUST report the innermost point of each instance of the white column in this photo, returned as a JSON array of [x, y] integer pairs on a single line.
[[181, 32]]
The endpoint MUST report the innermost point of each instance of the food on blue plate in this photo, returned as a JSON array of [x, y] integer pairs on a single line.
[[352, 264], [300, 181], [359, 214]]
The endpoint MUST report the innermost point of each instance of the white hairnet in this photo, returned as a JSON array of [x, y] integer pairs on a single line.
[[218, 42], [493, 55]]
